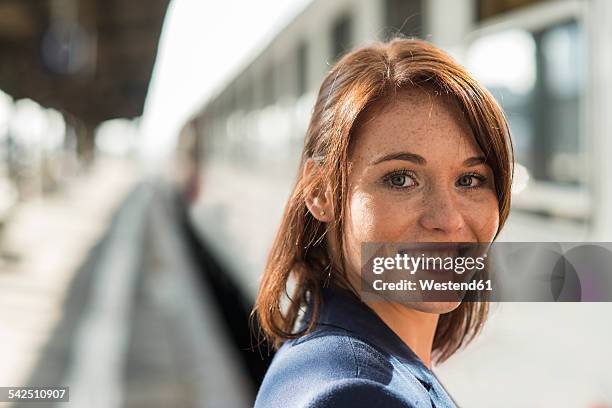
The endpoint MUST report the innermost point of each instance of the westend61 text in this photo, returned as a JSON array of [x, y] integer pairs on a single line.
[[430, 284]]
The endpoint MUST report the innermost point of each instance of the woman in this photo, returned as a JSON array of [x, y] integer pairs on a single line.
[[403, 146]]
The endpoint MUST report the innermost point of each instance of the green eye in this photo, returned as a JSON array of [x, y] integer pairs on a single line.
[[467, 180], [399, 180]]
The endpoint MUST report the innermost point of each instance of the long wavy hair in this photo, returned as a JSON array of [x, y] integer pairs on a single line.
[[299, 263]]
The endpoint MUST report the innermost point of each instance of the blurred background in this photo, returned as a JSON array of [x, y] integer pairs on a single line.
[[147, 149]]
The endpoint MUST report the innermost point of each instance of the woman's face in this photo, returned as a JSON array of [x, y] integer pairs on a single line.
[[416, 174]]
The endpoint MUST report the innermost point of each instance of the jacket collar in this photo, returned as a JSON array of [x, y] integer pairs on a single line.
[[341, 308]]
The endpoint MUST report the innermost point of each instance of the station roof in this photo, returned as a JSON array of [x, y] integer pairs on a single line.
[[90, 58]]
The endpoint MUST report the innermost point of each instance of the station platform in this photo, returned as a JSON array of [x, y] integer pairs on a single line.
[[133, 325]]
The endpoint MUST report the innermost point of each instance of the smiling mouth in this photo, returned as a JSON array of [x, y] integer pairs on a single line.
[[434, 250]]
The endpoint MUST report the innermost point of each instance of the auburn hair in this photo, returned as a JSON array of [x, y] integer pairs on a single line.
[[299, 264]]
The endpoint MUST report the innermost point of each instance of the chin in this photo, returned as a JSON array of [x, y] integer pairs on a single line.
[[434, 307]]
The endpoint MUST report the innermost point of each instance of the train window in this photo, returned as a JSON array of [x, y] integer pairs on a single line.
[[268, 86], [246, 97], [6, 106], [302, 68], [537, 77], [404, 18], [491, 8], [341, 36], [284, 85], [232, 99]]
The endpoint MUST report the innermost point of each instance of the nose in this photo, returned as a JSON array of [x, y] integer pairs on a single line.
[[441, 213]]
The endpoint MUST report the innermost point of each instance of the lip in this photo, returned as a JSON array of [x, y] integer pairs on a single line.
[[443, 249]]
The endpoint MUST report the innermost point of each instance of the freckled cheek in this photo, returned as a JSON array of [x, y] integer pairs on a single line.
[[483, 218], [376, 219]]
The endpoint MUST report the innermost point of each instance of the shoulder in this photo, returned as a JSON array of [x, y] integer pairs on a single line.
[[329, 367], [356, 393]]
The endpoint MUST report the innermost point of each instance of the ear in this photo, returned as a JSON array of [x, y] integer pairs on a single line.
[[319, 201]]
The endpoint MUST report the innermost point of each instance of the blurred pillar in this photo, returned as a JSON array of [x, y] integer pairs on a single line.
[[12, 161], [85, 143], [541, 113], [84, 137], [598, 114]]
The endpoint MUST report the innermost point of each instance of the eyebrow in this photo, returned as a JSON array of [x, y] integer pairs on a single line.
[[420, 160]]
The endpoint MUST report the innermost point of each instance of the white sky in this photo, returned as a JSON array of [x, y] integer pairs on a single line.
[[203, 44]]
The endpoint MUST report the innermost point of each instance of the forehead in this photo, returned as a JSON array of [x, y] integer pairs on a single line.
[[418, 120]]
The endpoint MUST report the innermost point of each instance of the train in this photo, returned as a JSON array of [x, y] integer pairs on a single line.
[[546, 61]]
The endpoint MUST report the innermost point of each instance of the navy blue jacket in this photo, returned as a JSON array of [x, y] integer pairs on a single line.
[[351, 359]]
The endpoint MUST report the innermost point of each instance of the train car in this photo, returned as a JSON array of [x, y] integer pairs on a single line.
[[547, 62]]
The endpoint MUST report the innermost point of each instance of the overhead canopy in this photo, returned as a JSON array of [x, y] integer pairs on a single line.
[[92, 59], [492, 8]]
